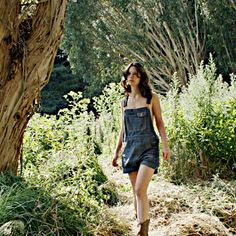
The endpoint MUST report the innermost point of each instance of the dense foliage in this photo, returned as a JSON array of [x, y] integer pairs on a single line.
[[41, 213], [103, 36], [61, 82], [168, 36], [218, 17], [85, 49], [65, 189], [201, 126]]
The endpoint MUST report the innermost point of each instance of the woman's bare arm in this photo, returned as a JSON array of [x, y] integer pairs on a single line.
[[156, 108]]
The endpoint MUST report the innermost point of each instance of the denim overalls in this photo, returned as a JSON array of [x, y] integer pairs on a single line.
[[140, 142]]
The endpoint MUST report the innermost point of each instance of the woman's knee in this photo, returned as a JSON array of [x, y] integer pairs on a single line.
[[140, 192]]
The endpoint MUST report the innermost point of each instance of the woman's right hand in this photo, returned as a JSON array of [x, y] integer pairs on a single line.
[[114, 161]]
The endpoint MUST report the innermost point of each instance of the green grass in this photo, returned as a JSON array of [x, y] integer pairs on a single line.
[[41, 213], [53, 212]]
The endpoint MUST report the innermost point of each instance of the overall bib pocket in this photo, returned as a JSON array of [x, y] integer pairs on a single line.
[[137, 122]]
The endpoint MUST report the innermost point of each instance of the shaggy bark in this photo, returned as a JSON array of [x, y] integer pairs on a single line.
[[29, 39]]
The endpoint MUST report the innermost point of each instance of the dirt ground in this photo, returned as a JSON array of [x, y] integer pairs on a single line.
[[172, 208]]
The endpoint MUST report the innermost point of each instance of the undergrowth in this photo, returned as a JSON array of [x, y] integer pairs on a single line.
[[63, 190], [200, 123]]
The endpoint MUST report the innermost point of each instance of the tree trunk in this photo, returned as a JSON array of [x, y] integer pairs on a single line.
[[29, 39]]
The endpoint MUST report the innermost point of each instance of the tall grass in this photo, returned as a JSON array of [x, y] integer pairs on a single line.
[[201, 126], [63, 190]]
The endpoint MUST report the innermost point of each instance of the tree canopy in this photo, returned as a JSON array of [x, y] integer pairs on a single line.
[[167, 36]]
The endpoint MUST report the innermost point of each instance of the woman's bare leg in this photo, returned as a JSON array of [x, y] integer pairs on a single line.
[[142, 181], [132, 177]]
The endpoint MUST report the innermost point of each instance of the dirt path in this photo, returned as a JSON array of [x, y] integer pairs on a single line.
[[158, 188], [170, 203]]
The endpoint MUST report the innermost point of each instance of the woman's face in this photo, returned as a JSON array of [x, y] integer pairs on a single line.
[[133, 77]]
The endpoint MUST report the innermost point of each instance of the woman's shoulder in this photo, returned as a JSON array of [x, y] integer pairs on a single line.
[[155, 96]]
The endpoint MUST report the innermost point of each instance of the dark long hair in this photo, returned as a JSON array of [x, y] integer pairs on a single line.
[[144, 84]]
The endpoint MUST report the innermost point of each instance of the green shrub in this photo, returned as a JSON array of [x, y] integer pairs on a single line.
[[108, 122], [60, 158], [200, 122]]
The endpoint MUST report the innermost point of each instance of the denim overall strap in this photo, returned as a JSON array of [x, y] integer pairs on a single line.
[[126, 101]]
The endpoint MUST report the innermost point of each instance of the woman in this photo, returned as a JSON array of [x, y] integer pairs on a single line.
[[138, 140]]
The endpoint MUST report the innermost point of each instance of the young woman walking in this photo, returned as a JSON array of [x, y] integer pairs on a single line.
[[138, 140]]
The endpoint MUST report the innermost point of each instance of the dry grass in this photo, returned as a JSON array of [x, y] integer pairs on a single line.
[[216, 199], [199, 208], [194, 225]]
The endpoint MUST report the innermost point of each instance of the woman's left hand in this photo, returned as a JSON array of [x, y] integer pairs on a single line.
[[166, 153]]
